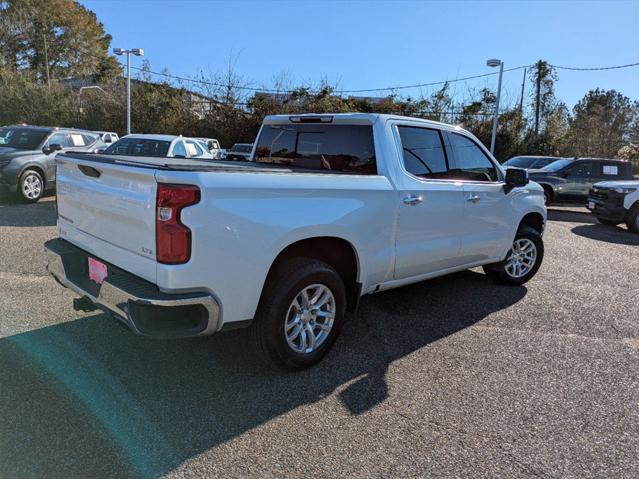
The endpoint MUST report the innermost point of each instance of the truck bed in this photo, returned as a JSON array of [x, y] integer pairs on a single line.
[[183, 164]]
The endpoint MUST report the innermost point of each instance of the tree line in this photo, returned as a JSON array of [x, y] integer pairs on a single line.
[[45, 43]]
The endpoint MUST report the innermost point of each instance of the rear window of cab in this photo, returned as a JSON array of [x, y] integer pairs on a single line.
[[319, 147]]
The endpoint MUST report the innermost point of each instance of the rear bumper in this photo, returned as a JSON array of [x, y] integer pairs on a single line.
[[141, 305]]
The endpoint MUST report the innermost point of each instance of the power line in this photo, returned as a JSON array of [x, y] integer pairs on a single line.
[[616, 67], [403, 87], [390, 88], [363, 90]]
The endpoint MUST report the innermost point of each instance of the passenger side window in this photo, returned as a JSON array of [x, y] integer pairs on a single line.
[[60, 139], [179, 150], [471, 162], [423, 152], [582, 170]]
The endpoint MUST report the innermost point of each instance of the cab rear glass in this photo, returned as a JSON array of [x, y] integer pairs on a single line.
[[326, 148]]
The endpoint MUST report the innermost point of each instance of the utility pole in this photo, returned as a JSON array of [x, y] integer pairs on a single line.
[[537, 96], [46, 59], [521, 98]]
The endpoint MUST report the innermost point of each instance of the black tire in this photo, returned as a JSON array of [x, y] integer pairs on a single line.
[[547, 196], [281, 288], [633, 219], [497, 271], [608, 222], [29, 194]]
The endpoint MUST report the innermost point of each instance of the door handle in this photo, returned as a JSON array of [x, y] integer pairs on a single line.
[[473, 198], [413, 200]]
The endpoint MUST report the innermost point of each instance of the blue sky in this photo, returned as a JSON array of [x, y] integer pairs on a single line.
[[370, 44]]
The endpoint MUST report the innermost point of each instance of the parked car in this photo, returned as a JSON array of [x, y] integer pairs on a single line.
[[159, 146], [213, 146], [332, 208], [27, 157], [108, 137], [571, 180], [240, 151], [615, 202], [531, 162]]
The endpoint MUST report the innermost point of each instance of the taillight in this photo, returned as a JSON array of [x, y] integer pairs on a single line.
[[172, 238]]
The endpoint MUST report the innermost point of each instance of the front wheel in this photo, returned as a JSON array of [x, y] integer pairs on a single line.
[[607, 222], [31, 186], [300, 313], [633, 219], [522, 261]]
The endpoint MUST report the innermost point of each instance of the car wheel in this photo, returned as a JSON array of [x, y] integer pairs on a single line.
[[547, 197], [522, 261], [300, 313], [633, 219], [608, 222], [31, 186]]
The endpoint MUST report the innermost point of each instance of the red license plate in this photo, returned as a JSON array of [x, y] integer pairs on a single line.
[[97, 270]]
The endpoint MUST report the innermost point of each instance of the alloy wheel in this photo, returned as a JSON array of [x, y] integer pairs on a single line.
[[521, 258], [32, 186], [310, 318]]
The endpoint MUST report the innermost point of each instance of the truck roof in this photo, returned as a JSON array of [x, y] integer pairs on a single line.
[[349, 118], [152, 136]]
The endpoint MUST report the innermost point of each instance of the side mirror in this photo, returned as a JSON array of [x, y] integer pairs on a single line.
[[53, 147], [515, 177]]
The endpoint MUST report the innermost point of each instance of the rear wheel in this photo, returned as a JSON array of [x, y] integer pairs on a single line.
[[300, 313], [522, 261], [30, 186], [547, 196]]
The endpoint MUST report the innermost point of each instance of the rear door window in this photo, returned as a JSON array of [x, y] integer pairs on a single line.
[[77, 139], [423, 152], [611, 169], [320, 147], [193, 148]]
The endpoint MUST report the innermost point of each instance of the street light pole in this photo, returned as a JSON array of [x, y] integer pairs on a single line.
[[138, 52], [128, 92], [494, 63]]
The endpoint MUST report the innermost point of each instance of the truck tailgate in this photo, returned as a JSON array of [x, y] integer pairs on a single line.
[[108, 209]]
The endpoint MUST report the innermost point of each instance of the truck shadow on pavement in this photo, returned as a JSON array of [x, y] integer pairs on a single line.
[[571, 216], [87, 398], [607, 233], [14, 213]]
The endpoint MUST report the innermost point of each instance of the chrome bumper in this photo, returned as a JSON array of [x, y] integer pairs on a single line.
[[138, 303]]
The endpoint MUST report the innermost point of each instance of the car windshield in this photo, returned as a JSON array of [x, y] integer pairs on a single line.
[[22, 138], [556, 165], [520, 161]]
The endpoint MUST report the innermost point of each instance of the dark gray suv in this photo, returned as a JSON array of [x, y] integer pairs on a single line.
[[27, 156]]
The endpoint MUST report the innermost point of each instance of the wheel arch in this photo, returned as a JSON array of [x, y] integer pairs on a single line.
[[533, 220], [38, 168], [335, 251], [549, 189]]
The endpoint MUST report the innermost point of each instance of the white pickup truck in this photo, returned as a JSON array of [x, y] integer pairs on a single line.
[[333, 207]]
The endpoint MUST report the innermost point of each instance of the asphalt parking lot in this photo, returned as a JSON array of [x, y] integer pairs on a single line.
[[451, 377]]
